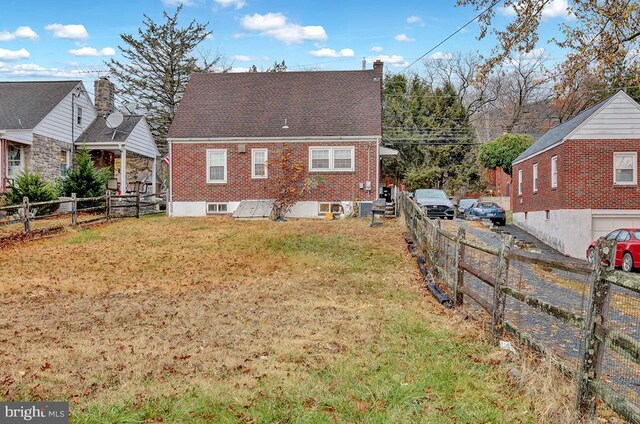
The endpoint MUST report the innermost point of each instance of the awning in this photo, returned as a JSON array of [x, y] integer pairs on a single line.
[[386, 152]]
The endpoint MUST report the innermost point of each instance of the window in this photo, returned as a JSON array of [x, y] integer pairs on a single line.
[[216, 208], [554, 172], [65, 162], [623, 235], [547, 215], [79, 115], [258, 163], [613, 234], [335, 208], [217, 166], [15, 160], [535, 177], [519, 182], [625, 168], [331, 158]]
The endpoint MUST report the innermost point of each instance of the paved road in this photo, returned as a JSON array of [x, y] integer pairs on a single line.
[[565, 289]]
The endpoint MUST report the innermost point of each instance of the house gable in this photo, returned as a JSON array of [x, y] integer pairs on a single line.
[[60, 123], [617, 119], [141, 141]]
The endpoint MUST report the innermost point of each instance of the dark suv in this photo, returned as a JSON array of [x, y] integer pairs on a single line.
[[435, 203]]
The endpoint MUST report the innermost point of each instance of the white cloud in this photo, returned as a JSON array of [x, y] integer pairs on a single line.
[[276, 25], [415, 20], [242, 58], [376, 49], [554, 9], [10, 55], [71, 32], [92, 52], [332, 53], [239, 69], [238, 4], [393, 60], [404, 38], [258, 22], [441, 56], [32, 70], [20, 32]]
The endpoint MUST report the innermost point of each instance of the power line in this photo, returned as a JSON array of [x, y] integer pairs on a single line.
[[495, 2]]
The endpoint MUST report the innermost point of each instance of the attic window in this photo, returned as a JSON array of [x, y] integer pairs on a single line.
[[79, 115]]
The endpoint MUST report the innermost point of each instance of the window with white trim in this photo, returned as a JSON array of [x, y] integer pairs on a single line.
[[79, 115], [217, 208], [554, 172], [259, 163], [65, 162], [216, 166], [15, 160], [625, 168], [535, 177], [331, 158], [519, 182]]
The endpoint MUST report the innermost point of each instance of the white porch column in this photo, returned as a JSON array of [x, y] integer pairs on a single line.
[[123, 170], [153, 175]]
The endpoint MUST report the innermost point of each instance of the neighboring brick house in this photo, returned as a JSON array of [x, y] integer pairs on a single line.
[[579, 180], [41, 124], [39, 121], [230, 130]]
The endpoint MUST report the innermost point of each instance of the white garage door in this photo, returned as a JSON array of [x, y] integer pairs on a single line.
[[603, 225]]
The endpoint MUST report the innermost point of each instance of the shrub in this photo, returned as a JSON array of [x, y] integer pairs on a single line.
[[36, 189], [85, 180]]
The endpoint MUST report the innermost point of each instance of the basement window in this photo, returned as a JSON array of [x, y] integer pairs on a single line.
[[335, 208], [547, 215], [216, 208]]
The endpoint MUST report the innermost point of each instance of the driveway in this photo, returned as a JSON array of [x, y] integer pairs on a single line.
[[561, 288]]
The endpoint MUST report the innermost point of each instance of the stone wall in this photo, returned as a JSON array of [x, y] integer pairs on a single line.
[[44, 156]]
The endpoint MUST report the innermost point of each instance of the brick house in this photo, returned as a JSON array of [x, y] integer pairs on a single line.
[[230, 130], [43, 122], [579, 180]]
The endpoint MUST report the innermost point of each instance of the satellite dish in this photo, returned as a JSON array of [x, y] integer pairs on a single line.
[[131, 107], [115, 120]]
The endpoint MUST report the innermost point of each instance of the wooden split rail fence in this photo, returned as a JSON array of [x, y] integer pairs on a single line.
[[595, 331], [79, 211]]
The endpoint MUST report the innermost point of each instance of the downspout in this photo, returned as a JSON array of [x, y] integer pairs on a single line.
[[377, 168], [3, 161], [73, 123], [170, 208]]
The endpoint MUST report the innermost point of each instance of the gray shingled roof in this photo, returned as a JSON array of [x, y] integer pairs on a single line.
[[25, 104], [321, 103], [559, 132], [98, 132]]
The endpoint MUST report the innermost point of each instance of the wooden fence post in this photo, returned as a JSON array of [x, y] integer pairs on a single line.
[[25, 212], [137, 204], [107, 206], [435, 249], [592, 349], [458, 283], [74, 210], [499, 296]]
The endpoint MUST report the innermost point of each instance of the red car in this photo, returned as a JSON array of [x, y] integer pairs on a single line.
[[627, 248]]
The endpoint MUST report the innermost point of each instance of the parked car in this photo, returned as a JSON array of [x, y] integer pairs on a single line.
[[435, 203], [487, 210], [627, 248], [464, 204]]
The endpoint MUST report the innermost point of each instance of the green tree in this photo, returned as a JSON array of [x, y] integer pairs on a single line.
[[158, 64], [501, 152], [431, 129], [278, 67], [36, 189], [85, 180]]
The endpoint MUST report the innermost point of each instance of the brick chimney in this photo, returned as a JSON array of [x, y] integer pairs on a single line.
[[104, 93], [378, 66]]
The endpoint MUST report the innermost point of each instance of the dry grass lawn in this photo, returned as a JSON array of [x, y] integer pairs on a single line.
[[215, 320]]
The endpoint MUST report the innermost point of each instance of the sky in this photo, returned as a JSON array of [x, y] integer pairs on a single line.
[[71, 39]]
